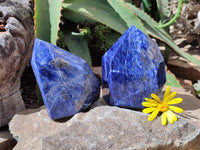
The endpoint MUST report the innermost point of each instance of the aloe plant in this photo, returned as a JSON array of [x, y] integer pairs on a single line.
[[180, 3], [111, 13], [76, 43], [164, 12], [47, 19], [116, 14]]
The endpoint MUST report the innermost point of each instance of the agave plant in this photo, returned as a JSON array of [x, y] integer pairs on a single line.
[[52, 16], [117, 14]]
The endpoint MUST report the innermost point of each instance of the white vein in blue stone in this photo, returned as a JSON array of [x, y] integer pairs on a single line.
[[60, 75], [131, 68]]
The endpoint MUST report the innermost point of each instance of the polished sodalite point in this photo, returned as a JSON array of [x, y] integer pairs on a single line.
[[66, 81], [133, 68]]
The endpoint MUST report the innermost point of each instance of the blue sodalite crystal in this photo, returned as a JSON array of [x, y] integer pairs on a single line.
[[66, 82], [133, 68]]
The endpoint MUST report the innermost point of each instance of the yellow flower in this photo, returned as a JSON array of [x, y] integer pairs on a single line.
[[155, 106]]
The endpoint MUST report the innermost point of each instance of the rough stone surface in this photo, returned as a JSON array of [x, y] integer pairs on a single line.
[[133, 68], [36, 124], [66, 81], [115, 128], [107, 127], [16, 43]]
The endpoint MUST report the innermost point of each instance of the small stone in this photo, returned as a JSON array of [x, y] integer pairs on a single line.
[[179, 65], [66, 82], [133, 68]]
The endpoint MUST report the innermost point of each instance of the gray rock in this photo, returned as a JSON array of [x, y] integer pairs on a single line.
[[31, 125], [114, 128], [106, 127], [16, 43]]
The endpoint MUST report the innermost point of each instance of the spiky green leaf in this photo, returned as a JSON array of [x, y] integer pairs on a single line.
[[127, 14], [76, 17], [147, 5], [159, 33], [47, 18], [98, 10], [172, 81], [76, 44], [163, 8], [113, 37]]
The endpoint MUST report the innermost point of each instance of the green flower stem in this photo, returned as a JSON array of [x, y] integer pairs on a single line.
[[180, 3]]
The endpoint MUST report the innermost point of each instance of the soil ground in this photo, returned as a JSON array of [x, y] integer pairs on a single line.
[[28, 88]]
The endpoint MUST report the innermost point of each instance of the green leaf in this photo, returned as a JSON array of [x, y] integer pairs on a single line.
[[98, 10], [127, 14], [159, 33], [47, 18], [101, 11], [147, 5], [76, 17], [172, 81], [76, 44], [112, 37], [197, 88], [163, 8]]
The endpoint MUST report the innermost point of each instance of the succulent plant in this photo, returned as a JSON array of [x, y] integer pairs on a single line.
[[197, 88]]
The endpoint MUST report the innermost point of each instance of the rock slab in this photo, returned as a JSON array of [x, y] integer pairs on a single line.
[[107, 127], [114, 128], [133, 68], [66, 82]]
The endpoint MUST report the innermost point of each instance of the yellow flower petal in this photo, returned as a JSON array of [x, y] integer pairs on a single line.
[[151, 100], [171, 117], [154, 96], [153, 115], [167, 92], [164, 119], [168, 98], [176, 109], [155, 105], [175, 118], [175, 101], [147, 104], [148, 110]]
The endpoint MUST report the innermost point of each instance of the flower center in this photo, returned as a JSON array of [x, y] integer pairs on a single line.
[[163, 106]]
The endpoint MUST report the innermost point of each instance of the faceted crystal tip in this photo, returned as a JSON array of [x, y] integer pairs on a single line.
[[133, 68]]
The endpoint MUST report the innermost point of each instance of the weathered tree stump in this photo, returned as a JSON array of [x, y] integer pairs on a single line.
[[16, 43]]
